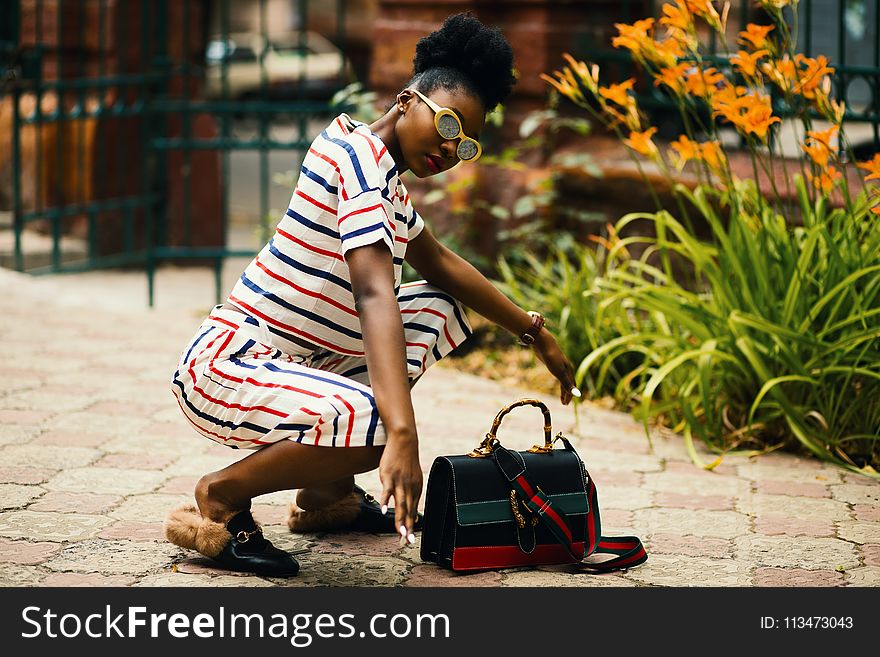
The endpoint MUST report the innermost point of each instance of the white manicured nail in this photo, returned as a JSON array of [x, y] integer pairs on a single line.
[[411, 538], [575, 392], [403, 531], [384, 509]]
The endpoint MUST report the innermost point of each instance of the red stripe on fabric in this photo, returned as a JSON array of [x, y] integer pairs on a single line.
[[403, 240], [449, 337], [317, 424], [418, 344], [310, 247], [423, 310], [262, 384], [382, 152], [293, 329], [314, 202], [617, 545], [223, 321], [325, 158], [341, 126], [350, 419], [592, 516], [220, 402], [362, 210], [302, 290], [506, 556], [548, 510], [376, 155]]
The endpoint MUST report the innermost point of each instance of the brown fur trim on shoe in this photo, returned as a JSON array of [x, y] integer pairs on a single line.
[[187, 528], [334, 516]]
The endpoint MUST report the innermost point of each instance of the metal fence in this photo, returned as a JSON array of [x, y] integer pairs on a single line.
[[125, 120]]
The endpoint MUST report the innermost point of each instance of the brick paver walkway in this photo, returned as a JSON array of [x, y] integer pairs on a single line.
[[93, 452]]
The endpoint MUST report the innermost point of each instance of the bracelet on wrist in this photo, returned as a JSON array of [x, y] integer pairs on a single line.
[[528, 338]]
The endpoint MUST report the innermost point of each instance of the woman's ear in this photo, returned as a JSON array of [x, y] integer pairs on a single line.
[[404, 98]]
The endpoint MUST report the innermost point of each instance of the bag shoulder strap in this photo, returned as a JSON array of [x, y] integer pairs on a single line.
[[628, 551]]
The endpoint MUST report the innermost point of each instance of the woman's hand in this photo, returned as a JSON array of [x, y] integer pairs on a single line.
[[401, 475], [557, 363]]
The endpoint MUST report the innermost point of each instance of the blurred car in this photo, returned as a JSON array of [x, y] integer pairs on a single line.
[[298, 66]]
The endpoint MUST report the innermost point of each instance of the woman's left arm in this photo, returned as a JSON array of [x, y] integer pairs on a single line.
[[454, 275]]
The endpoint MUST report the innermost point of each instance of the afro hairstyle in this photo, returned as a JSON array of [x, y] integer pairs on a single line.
[[465, 53]]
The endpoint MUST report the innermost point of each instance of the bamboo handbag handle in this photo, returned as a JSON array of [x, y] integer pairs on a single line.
[[485, 448]]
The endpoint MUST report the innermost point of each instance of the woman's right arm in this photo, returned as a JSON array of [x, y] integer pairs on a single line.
[[372, 281]]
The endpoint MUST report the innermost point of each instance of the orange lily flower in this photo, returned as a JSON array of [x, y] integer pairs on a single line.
[[617, 93], [872, 167], [748, 64], [755, 35], [818, 145], [685, 150], [588, 75], [677, 17], [673, 77], [633, 37], [565, 84], [825, 180], [641, 142], [713, 155], [703, 82], [813, 74]]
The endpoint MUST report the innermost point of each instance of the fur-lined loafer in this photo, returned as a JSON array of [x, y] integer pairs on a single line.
[[356, 512], [239, 545]]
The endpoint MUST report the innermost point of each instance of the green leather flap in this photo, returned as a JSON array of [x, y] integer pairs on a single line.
[[475, 513]]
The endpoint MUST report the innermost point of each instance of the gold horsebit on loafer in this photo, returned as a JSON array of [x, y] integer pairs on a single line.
[[244, 537]]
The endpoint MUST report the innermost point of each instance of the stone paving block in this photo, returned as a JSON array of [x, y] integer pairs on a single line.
[[695, 483], [200, 464], [609, 460], [857, 494], [106, 480], [871, 555], [26, 417], [129, 530], [278, 498], [774, 525], [15, 496], [866, 512], [180, 485], [431, 575], [864, 576], [683, 501], [113, 557], [18, 474], [689, 546], [561, 577], [605, 478], [859, 532], [87, 580], [64, 502], [620, 497], [718, 524], [188, 445], [759, 504], [616, 521], [85, 421], [680, 570], [166, 579], [799, 552], [39, 457], [26, 552], [11, 434], [21, 575], [270, 514], [817, 489], [51, 526], [36, 401], [782, 467], [318, 569], [356, 543], [151, 507], [797, 577], [122, 408], [136, 461], [64, 438]]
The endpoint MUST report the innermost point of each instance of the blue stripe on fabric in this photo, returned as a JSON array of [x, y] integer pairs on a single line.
[[352, 155], [308, 173], [360, 369], [296, 216], [315, 317], [232, 425], [374, 415], [193, 345], [412, 221], [368, 229], [441, 295], [320, 273]]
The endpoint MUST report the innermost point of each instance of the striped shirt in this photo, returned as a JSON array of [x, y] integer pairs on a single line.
[[348, 194]]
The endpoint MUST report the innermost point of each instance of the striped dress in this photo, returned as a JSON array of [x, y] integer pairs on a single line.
[[245, 380]]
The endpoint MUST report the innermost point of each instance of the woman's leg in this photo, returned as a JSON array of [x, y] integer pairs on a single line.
[[324, 472]]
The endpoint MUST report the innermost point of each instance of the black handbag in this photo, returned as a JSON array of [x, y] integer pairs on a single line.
[[498, 508]]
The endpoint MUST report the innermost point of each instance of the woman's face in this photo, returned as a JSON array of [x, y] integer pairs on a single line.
[[424, 151]]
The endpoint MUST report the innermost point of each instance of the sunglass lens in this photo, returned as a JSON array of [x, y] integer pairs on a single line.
[[448, 126], [467, 150]]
